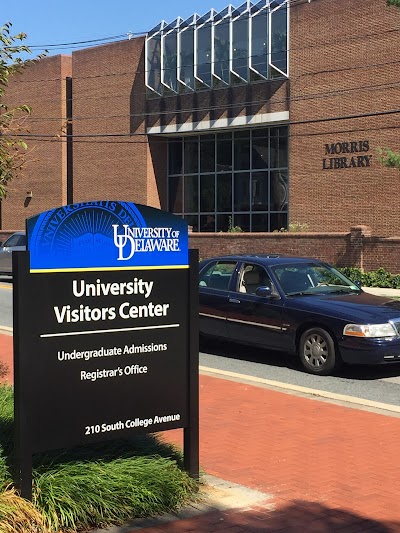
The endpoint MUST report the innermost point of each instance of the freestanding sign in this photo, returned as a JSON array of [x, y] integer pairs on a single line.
[[105, 330]]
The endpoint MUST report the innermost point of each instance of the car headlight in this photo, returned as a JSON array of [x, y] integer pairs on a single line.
[[370, 330]]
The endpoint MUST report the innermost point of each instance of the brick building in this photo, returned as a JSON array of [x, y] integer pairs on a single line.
[[255, 116]]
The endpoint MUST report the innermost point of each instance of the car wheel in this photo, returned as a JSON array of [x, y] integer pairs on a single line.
[[317, 351]]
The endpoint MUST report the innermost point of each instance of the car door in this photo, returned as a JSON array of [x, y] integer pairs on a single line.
[[14, 243], [215, 280], [253, 319]]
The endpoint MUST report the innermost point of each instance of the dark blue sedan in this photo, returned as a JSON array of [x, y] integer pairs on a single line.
[[297, 305]]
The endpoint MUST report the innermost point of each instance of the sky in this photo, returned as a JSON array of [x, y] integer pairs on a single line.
[[51, 22]]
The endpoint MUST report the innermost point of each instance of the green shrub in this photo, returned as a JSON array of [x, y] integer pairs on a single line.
[[377, 278]]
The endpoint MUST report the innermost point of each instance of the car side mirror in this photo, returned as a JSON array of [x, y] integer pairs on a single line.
[[265, 292], [358, 283]]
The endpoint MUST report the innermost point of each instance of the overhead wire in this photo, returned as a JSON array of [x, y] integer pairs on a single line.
[[271, 101]]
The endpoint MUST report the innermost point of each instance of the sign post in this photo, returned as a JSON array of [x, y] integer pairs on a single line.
[[105, 329]]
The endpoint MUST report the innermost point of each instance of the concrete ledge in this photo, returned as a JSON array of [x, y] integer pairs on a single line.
[[216, 495], [378, 291]]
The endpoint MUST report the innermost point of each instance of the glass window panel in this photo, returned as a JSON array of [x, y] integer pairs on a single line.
[[224, 155], [175, 157], [222, 222], [259, 222], [175, 194], [192, 220], [241, 134], [207, 193], [187, 57], [242, 154], [221, 50], [259, 191], [240, 47], [279, 191], [154, 63], [242, 221], [224, 192], [207, 223], [259, 152], [242, 191], [256, 199], [191, 194], [279, 39], [203, 69], [207, 156], [191, 157], [259, 42], [279, 147], [278, 221], [170, 61], [260, 132]]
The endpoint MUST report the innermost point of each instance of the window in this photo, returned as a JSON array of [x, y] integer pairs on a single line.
[[252, 277], [218, 275], [236, 45], [231, 179], [15, 240]]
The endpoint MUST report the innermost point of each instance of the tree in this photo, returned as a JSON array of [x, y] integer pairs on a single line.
[[393, 3], [12, 148], [389, 158]]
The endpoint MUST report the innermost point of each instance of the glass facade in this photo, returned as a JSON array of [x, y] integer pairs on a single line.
[[238, 178], [235, 45]]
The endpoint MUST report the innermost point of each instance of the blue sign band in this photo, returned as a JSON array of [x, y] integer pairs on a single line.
[[106, 235]]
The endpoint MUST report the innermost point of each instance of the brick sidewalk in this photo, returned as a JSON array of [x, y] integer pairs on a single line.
[[329, 468]]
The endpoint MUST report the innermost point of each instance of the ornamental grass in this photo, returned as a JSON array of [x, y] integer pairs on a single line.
[[91, 486]]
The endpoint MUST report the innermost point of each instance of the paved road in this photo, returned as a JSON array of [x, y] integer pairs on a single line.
[[5, 302], [374, 383]]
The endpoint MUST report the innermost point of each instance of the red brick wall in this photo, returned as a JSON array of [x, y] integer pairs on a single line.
[[109, 163], [344, 62], [242, 100], [42, 86], [355, 248], [331, 247]]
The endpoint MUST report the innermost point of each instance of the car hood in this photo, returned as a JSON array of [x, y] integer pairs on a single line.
[[358, 307]]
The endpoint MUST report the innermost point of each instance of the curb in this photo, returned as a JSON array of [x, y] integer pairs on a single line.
[[215, 495]]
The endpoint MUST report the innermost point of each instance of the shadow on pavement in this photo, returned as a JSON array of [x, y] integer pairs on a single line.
[[297, 517]]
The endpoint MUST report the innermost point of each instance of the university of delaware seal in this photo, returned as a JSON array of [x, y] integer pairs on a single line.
[[105, 234]]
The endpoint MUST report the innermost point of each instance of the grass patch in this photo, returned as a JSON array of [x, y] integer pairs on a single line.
[[94, 486], [18, 515]]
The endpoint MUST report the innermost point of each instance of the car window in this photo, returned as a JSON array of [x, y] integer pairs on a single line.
[[218, 275], [12, 241], [253, 276], [312, 279]]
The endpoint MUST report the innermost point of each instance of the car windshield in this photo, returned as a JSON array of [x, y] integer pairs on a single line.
[[312, 279]]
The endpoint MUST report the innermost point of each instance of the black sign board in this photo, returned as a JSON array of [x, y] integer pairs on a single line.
[[103, 354]]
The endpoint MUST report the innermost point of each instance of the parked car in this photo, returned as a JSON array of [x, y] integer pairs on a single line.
[[297, 305], [16, 242]]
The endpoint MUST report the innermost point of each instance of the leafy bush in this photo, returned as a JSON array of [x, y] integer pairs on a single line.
[[376, 278], [91, 486], [233, 229], [298, 227]]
